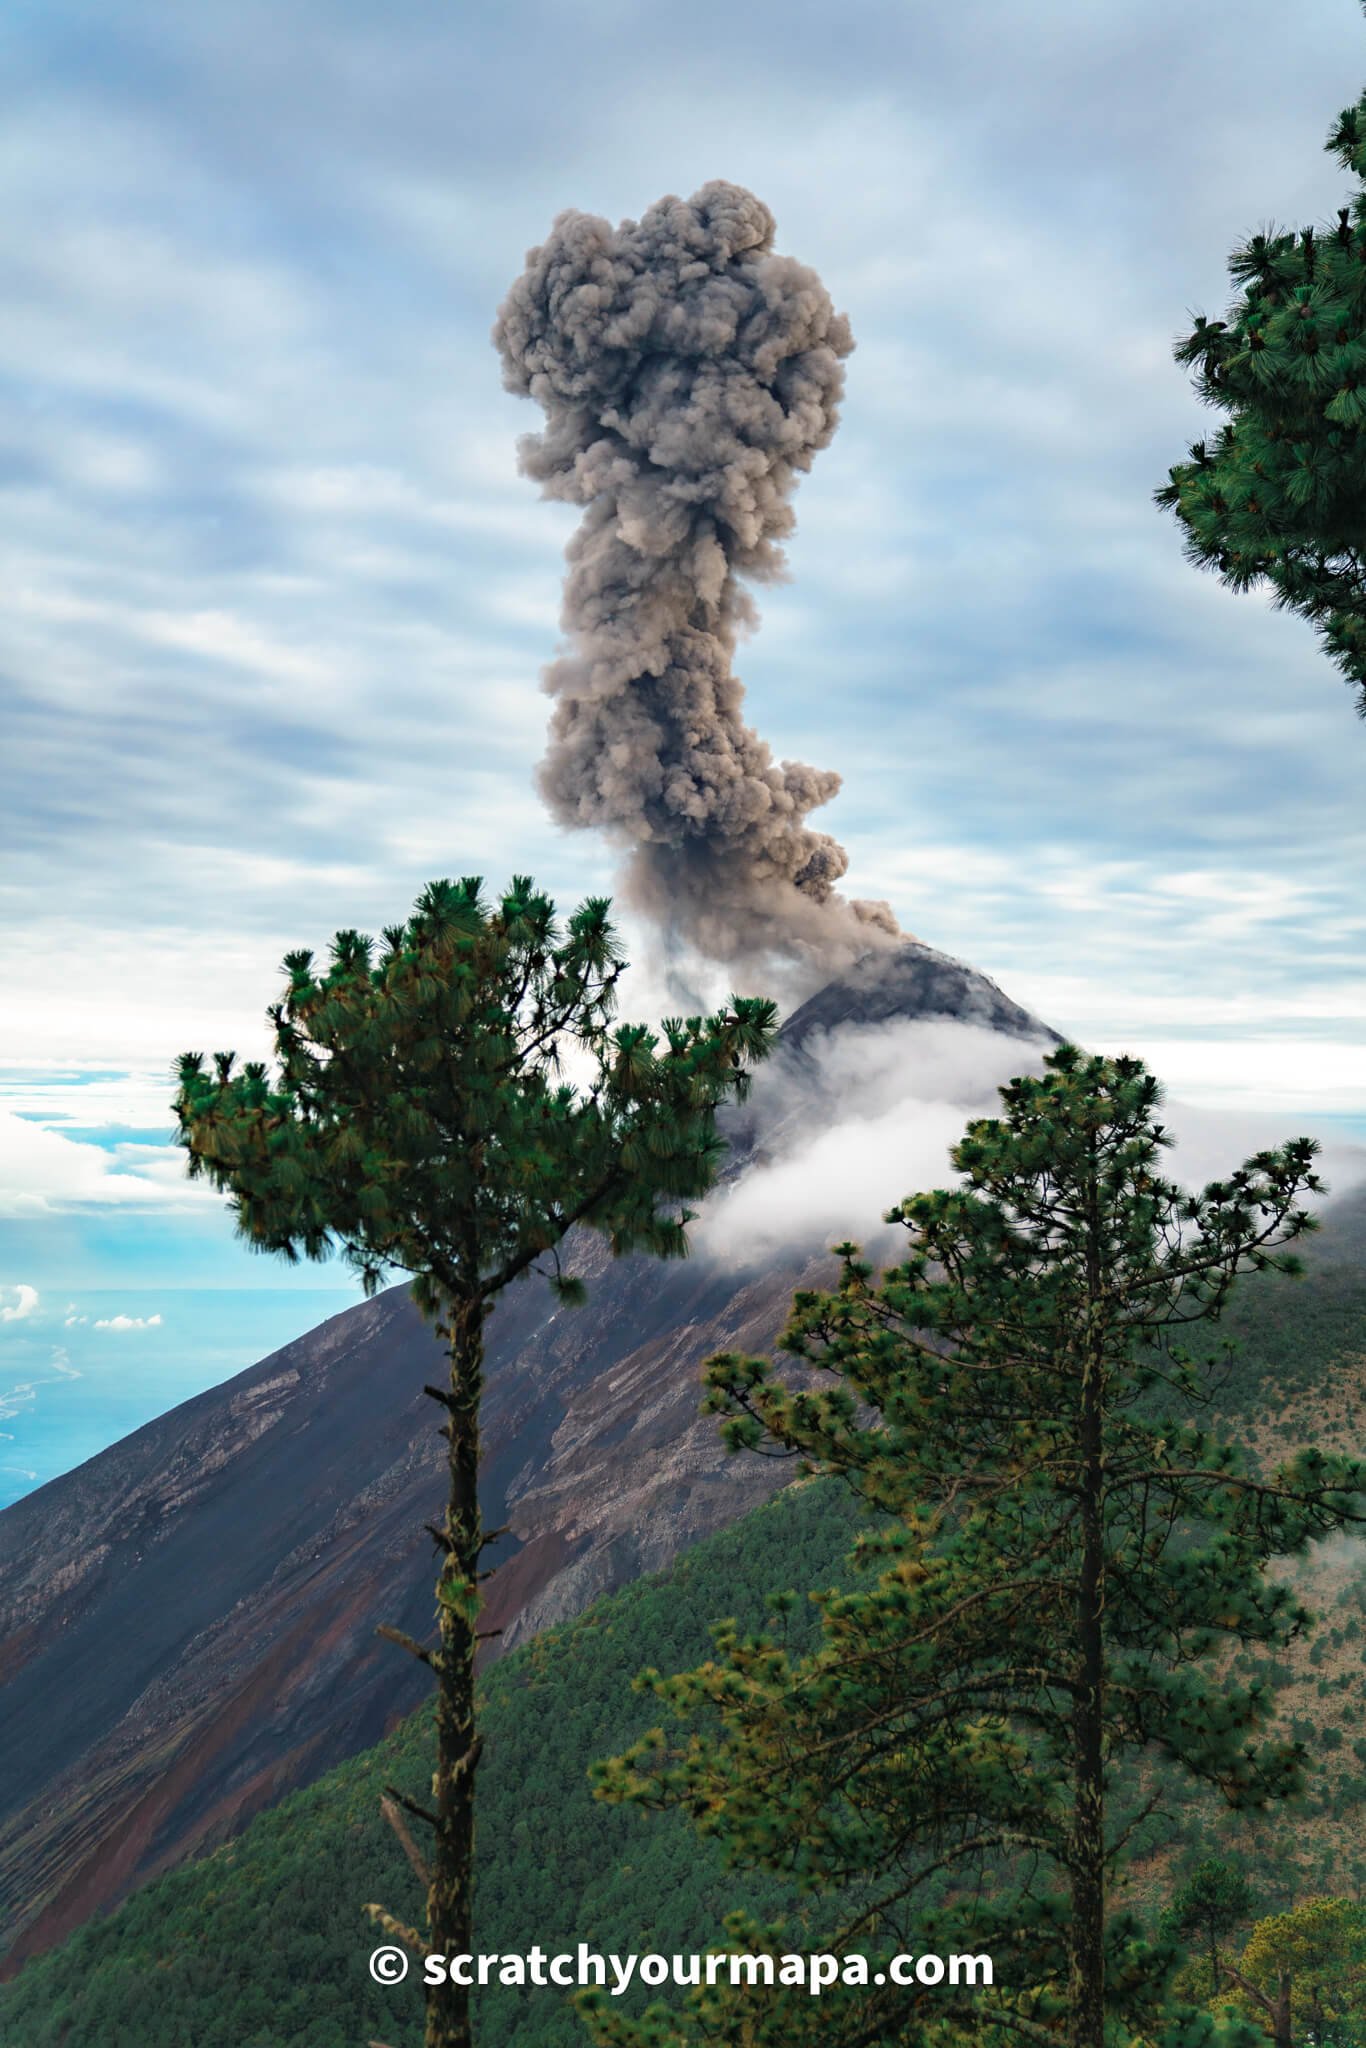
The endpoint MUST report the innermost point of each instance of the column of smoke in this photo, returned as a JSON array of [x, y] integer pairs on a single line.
[[688, 375]]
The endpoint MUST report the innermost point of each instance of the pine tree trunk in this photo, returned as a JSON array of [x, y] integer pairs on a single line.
[[1087, 1858], [450, 1899], [1281, 2017]]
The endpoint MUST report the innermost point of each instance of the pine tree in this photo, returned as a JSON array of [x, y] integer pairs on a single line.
[[1059, 1545], [1279, 495], [419, 1122], [1304, 1974], [1214, 1900]]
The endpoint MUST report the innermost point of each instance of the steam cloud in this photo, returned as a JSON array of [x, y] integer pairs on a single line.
[[867, 1113], [688, 375]]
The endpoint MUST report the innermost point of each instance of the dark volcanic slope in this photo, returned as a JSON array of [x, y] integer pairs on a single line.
[[187, 1621], [912, 981]]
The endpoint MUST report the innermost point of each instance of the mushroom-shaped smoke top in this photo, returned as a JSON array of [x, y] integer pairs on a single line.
[[687, 375]]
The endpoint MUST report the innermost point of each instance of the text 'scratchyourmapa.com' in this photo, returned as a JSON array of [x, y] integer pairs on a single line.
[[816, 1972]]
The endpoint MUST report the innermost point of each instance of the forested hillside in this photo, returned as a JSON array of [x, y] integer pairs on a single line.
[[264, 1945]]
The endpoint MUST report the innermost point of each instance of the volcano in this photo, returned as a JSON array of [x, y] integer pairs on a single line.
[[187, 1621]]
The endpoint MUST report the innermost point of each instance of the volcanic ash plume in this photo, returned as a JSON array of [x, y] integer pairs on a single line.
[[687, 375]]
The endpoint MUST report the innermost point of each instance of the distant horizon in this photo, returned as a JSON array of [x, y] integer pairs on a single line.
[[146, 1369], [54, 1418]]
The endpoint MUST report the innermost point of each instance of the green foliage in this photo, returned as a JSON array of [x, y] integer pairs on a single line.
[[1215, 1899], [1062, 1543], [257, 1946], [1317, 1953], [1285, 1335], [419, 1119], [263, 1945], [1277, 496]]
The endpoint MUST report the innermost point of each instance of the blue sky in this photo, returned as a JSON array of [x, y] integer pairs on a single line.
[[277, 598]]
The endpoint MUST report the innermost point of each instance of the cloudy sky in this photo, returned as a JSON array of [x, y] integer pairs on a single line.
[[276, 598]]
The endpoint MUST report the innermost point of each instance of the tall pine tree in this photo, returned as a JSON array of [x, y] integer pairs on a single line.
[[419, 1121], [1060, 1548], [1278, 496]]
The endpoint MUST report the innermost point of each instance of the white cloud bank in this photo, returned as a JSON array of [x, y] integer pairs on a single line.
[[43, 1173], [872, 1117], [128, 1323], [870, 1120]]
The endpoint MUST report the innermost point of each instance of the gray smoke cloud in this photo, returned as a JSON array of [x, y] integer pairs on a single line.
[[688, 376]]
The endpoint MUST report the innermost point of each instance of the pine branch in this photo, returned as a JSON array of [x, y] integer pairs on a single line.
[[1268, 2005], [409, 1643], [388, 1806], [399, 1929], [465, 1764], [411, 1806]]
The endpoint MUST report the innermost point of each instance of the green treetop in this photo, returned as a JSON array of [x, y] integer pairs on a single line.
[[1303, 1974], [1214, 1900], [420, 1121], [1059, 1547], [1279, 494]]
